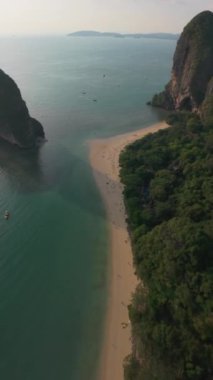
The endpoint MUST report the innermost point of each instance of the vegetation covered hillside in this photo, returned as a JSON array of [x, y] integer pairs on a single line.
[[169, 199], [16, 125]]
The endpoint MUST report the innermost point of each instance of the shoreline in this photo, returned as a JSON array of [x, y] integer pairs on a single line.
[[104, 160]]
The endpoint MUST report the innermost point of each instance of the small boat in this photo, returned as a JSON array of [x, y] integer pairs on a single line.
[[6, 214]]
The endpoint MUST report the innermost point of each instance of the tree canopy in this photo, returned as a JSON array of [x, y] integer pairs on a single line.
[[168, 194]]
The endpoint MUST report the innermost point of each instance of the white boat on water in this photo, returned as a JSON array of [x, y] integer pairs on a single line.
[[6, 214]]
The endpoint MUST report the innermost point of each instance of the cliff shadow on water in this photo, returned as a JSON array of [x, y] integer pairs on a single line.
[[21, 167], [71, 178]]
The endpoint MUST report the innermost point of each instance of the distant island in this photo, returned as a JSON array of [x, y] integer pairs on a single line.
[[92, 33]]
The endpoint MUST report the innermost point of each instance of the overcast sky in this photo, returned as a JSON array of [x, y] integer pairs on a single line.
[[64, 16]]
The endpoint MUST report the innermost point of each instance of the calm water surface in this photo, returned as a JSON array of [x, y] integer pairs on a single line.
[[53, 250]]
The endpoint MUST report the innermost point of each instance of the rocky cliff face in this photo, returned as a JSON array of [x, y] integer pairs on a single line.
[[192, 72], [16, 125]]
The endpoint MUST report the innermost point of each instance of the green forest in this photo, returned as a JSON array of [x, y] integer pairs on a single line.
[[168, 192]]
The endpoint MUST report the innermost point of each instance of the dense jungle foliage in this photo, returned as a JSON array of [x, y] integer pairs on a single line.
[[168, 190]]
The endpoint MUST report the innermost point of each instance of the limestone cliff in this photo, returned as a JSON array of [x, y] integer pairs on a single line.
[[192, 72], [16, 125]]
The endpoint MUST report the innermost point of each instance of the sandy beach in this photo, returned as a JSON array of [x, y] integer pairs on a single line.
[[104, 159]]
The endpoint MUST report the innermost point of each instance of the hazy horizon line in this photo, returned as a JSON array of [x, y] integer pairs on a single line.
[[49, 34]]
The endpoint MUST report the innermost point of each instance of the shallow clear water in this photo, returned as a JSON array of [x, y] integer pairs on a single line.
[[53, 250]]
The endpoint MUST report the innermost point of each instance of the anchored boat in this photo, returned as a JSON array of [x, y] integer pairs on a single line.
[[6, 214]]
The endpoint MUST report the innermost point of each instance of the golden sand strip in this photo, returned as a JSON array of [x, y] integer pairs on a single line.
[[104, 159]]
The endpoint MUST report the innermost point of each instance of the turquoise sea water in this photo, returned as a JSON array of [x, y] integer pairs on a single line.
[[54, 249]]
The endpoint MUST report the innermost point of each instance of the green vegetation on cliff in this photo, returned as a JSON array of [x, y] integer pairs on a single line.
[[192, 69], [168, 190], [207, 110], [16, 125]]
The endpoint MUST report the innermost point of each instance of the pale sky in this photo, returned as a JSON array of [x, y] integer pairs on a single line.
[[125, 16]]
